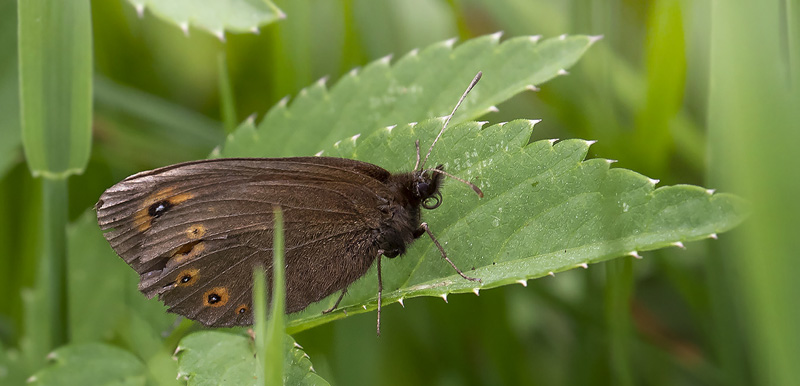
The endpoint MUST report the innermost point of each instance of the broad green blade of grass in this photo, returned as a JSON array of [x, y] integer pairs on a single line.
[[227, 103], [10, 149], [753, 149], [546, 209], [55, 67], [420, 85], [273, 354], [214, 16], [91, 364], [220, 358]]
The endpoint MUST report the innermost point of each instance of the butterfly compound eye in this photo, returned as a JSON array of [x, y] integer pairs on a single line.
[[422, 189]]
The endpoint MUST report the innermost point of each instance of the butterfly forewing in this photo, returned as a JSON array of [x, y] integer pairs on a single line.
[[195, 231]]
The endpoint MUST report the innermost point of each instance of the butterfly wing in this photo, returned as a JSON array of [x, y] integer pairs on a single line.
[[195, 231]]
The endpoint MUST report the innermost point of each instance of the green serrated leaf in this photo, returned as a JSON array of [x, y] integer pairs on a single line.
[[91, 364], [215, 16], [220, 358], [420, 85], [546, 209]]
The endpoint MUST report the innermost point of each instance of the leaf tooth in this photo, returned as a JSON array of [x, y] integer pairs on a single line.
[[139, 9], [552, 141], [533, 88], [449, 43], [322, 81], [413, 52], [355, 137], [679, 245], [562, 37], [184, 26], [590, 143], [501, 124], [710, 191], [583, 265], [653, 181], [635, 254], [298, 346], [386, 59], [611, 161], [255, 30], [353, 72], [401, 300], [495, 37], [390, 128], [594, 38], [476, 291], [523, 282], [562, 72], [492, 109], [412, 124], [535, 38], [482, 123], [220, 34], [52, 356], [444, 296], [336, 145], [319, 153], [283, 102], [552, 274], [305, 355], [533, 122], [31, 379], [251, 119], [712, 236], [364, 306]]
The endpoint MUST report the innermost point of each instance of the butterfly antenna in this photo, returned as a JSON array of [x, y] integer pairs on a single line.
[[469, 88], [470, 184]]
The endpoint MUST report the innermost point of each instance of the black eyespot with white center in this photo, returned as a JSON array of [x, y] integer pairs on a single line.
[[214, 298], [159, 208]]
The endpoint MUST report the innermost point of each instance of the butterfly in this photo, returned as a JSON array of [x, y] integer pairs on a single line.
[[195, 231]]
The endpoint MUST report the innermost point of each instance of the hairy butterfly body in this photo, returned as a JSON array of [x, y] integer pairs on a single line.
[[195, 231]]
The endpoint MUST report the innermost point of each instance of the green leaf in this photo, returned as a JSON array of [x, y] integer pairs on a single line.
[[55, 66], [215, 16], [220, 358], [420, 85], [546, 209], [91, 364]]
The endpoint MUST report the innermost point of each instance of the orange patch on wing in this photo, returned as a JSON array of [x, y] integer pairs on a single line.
[[185, 253], [215, 297], [186, 277], [142, 219], [196, 231]]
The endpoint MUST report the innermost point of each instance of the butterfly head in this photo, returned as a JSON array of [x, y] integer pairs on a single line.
[[426, 187]]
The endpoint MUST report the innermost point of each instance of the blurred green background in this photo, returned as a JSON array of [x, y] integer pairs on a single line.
[[698, 92]]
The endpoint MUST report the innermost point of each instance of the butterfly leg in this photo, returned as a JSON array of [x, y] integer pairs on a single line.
[[424, 226], [344, 291]]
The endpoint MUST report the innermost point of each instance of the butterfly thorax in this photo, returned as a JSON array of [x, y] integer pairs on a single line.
[[409, 193]]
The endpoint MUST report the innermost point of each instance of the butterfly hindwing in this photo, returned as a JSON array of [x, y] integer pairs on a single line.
[[195, 231]]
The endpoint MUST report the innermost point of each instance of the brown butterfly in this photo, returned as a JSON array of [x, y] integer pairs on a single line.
[[194, 231]]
